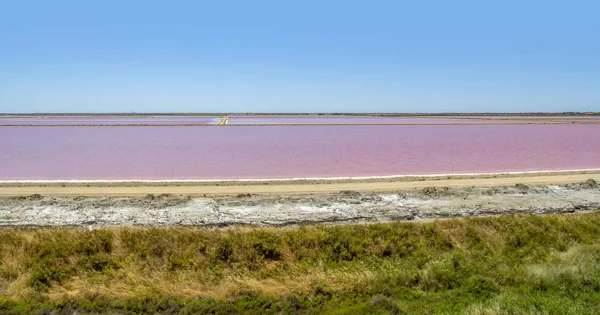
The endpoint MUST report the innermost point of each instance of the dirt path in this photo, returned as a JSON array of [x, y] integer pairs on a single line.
[[311, 187]]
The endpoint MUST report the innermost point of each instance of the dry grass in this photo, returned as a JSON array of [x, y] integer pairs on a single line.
[[485, 259]]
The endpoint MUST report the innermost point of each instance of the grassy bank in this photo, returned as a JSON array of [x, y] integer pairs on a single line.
[[509, 264]]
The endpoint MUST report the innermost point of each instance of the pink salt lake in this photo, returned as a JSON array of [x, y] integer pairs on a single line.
[[276, 152]]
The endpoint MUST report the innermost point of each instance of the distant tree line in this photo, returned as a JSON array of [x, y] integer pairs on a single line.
[[311, 114]]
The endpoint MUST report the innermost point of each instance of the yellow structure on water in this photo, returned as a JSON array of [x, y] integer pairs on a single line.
[[223, 121]]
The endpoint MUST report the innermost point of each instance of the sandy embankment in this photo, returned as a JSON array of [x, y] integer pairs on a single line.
[[294, 203], [294, 186], [224, 122]]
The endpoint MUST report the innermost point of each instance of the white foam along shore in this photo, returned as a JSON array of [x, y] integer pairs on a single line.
[[355, 178]]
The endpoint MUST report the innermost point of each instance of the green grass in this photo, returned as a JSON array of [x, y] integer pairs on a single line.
[[498, 265]]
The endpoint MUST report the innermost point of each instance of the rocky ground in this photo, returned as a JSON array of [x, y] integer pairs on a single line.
[[281, 210]]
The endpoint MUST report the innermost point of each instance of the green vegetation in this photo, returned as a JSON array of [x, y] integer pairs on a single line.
[[497, 265]]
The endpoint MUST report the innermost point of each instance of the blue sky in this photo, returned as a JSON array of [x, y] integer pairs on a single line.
[[299, 56]]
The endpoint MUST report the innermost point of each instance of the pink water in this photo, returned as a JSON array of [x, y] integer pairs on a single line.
[[287, 120], [374, 120], [112, 121], [525, 117], [155, 153]]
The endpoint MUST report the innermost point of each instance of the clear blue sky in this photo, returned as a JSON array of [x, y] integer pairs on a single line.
[[299, 56]]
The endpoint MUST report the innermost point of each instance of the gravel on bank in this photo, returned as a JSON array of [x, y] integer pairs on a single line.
[[281, 210]]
